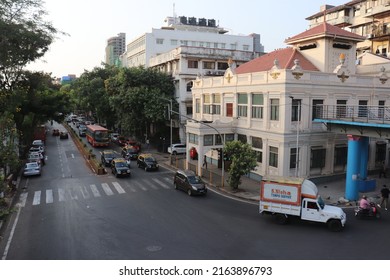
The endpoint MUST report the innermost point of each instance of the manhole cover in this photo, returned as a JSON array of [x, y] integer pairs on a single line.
[[153, 248]]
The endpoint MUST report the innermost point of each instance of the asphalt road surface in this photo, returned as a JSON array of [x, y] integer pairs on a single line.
[[69, 213]]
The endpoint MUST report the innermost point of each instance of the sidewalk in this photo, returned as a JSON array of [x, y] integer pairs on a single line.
[[332, 192]]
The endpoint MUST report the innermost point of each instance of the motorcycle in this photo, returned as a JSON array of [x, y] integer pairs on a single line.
[[373, 212]]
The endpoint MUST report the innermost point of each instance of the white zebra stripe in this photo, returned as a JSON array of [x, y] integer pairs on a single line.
[[107, 189], [49, 196], [61, 194], [85, 192], [161, 183], [95, 191], [37, 198], [118, 187]]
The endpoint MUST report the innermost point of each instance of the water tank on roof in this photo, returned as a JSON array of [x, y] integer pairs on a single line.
[[192, 20], [211, 22], [183, 20], [202, 22]]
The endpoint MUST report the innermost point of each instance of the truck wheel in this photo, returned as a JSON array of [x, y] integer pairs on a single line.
[[281, 219], [335, 225]]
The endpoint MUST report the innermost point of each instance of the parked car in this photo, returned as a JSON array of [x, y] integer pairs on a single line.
[[119, 167], [32, 169], [107, 156], [36, 157], [129, 152], [56, 132], [38, 143], [189, 182], [147, 162], [37, 149], [177, 149], [82, 130], [64, 135]]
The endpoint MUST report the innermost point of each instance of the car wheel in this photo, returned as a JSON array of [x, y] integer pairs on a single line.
[[175, 186], [174, 153], [189, 192]]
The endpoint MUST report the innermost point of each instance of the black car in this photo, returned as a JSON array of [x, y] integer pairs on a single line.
[[189, 182], [119, 167], [147, 162], [64, 135], [107, 156], [130, 153]]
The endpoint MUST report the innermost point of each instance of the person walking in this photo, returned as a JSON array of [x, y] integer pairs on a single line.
[[205, 161], [383, 170], [385, 196]]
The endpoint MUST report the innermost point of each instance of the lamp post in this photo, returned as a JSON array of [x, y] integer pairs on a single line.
[[170, 110]]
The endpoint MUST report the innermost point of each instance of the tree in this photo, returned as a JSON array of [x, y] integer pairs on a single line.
[[243, 160]]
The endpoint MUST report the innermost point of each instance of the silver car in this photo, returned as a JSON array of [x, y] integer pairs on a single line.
[[32, 169]]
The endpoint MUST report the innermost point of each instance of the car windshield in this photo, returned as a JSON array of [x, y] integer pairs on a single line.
[[150, 159], [321, 202], [194, 179], [31, 165], [121, 164], [109, 155]]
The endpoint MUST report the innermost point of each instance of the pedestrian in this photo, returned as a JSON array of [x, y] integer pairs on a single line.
[[383, 170], [385, 196], [205, 161]]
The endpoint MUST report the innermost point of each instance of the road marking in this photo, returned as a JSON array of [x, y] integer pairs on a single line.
[[23, 199], [37, 198], [140, 186], [85, 192], [72, 155], [118, 187], [161, 183], [72, 193], [169, 180], [61, 194], [146, 182], [107, 189], [95, 191], [49, 196]]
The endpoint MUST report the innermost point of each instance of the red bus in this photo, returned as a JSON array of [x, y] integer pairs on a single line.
[[97, 135]]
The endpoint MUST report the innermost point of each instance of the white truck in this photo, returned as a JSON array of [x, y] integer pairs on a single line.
[[284, 196]]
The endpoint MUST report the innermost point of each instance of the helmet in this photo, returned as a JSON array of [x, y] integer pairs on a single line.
[[365, 197]]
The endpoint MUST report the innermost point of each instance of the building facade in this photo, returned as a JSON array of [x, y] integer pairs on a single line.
[[116, 46], [186, 48], [368, 18], [272, 101]]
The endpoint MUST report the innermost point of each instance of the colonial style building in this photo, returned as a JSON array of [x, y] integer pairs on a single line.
[[272, 101]]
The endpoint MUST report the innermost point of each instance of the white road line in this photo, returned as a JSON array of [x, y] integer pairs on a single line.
[[95, 191], [161, 183], [118, 187], [61, 194], [23, 199], [138, 185], [169, 180], [49, 196], [11, 235], [85, 192], [37, 198], [146, 182], [73, 194], [107, 189], [72, 155]]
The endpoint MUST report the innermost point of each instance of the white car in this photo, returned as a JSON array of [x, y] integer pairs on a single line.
[[36, 157], [32, 169], [177, 149]]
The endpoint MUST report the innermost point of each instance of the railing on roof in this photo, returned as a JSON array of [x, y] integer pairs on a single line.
[[359, 113]]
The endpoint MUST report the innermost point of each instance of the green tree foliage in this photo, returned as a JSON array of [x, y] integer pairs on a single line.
[[243, 160], [8, 146]]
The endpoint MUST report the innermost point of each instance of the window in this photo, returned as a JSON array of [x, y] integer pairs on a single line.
[[381, 109], [173, 42], [242, 108], [273, 156], [216, 100], [207, 109], [229, 109], [207, 44], [216, 45], [208, 65], [223, 45], [380, 151], [259, 156], [274, 109], [233, 46], [340, 156], [222, 66], [318, 109], [201, 44], [293, 157], [193, 64], [229, 138], [257, 106], [341, 108], [184, 42], [159, 41], [257, 142], [296, 110], [208, 140], [218, 140], [242, 138], [245, 47], [189, 110], [192, 138], [317, 157], [189, 86], [197, 106], [362, 113]]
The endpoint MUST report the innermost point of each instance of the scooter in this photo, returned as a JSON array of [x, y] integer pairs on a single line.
[[373, 212]]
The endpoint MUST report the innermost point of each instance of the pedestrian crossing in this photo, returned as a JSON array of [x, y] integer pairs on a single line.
[[91, 191]]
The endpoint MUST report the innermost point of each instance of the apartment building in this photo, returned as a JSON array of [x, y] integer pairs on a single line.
[[367, 18], [271, 102], [116, 46], [186, 48]]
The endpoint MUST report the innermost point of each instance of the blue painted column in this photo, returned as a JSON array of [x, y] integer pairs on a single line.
[[363, 157], [353, 168]]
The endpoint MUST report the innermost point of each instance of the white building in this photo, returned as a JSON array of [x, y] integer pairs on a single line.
[[270, 103], [116, 46], [187, 48]]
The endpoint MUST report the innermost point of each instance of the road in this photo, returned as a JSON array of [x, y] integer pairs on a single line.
[[69, 213]]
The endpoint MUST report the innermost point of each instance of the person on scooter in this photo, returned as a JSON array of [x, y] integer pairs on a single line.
[[364, 204]]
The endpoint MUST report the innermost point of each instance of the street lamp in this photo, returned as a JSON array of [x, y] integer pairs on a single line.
[[170, 110]]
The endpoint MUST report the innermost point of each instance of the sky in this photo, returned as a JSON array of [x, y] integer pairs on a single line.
[[90, 23]]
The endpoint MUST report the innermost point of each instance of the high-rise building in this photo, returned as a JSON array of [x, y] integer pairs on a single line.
[[115, 47]]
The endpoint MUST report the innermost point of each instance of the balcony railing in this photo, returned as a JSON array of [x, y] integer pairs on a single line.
[[362, 113]]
